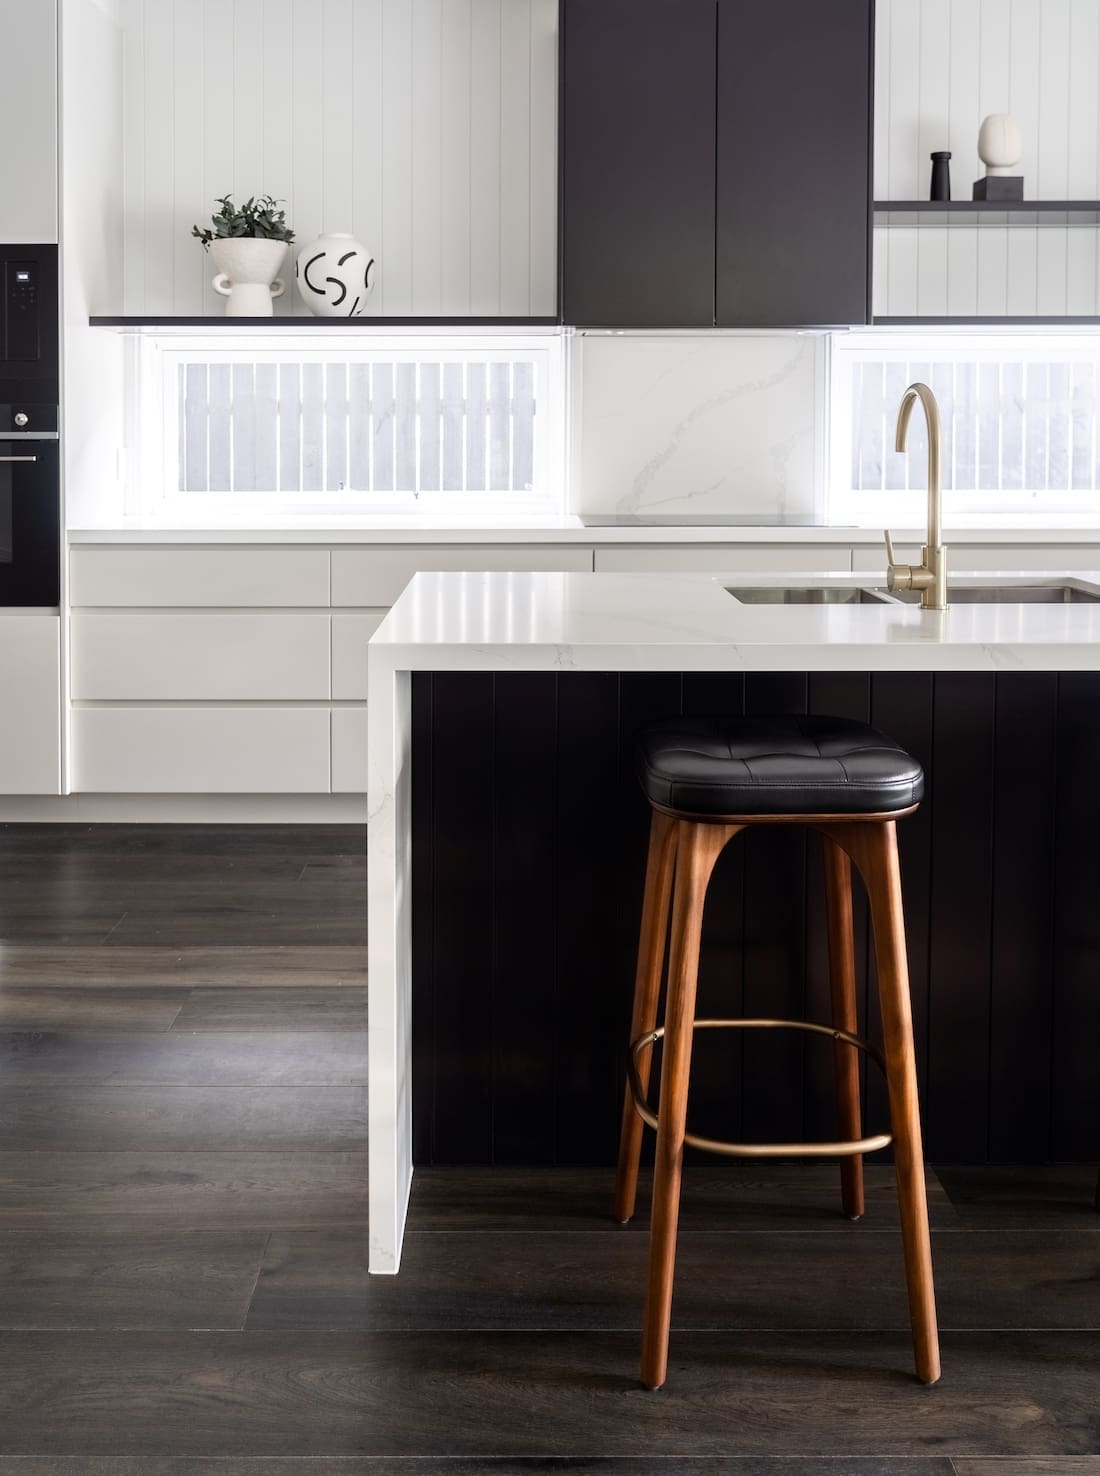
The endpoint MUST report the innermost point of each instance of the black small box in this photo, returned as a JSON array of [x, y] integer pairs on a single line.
[[999, 187]]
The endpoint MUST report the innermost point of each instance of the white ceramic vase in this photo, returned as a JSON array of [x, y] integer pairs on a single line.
[[248, 274], [1000, 144], [335, 276]]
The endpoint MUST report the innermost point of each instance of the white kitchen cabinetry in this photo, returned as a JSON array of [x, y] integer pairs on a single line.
[[350, 634], [170, 646], [984, 558], [195, 577], [717, 558], [349, 750], [198, 656], [376, 576], [201, 750], [30, 680], [28, 123]]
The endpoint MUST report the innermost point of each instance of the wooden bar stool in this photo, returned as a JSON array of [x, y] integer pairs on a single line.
[[706, 779]]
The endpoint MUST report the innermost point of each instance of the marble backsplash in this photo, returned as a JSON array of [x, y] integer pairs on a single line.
[[723, 423]]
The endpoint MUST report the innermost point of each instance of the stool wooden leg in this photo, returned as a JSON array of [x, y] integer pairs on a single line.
[[698, 847], [842, 984], [647, 988], [874, 848]]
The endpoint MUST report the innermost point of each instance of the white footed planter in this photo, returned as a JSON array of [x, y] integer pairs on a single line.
[[335, 276], [248, 275]]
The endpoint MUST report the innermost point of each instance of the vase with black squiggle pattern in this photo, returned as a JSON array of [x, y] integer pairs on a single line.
[[335, 276]]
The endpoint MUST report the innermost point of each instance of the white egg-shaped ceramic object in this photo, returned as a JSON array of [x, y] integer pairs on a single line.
[[1000, 144]]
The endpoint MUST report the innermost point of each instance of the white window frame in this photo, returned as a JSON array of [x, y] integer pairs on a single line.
[[153, 493], [849, 505]]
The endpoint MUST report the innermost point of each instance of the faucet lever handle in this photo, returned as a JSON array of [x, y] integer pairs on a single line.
[[890, 559]]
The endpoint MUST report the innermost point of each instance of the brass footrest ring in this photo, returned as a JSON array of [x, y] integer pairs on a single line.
[[845, 1149]]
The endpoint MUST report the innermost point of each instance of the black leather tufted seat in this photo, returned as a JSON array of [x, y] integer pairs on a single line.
[[775, 766]]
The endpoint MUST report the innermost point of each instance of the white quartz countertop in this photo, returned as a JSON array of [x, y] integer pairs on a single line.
[[690, 622], [403, 530]]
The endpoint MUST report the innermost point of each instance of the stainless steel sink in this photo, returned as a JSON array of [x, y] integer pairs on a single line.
[[834, 596], [957, 594], [1006, 594]]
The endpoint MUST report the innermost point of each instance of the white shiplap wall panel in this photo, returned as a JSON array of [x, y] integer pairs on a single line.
[[338, 111], [544, 151], [515, 153], [426, 127], [157, 124], [454, 105], [486, 128], [427, 157], [395, 252], [187, 172], [942, 65]]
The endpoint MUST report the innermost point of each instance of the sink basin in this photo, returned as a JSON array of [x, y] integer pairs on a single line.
[[957, 594], [834, 596], [1005, 594]]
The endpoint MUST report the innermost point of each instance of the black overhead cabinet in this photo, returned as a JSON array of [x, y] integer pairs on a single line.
[[716, 162], [637, 162]]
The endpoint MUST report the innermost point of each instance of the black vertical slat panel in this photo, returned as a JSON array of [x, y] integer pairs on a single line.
[[902, 705], [774, 968], [993, 828], [956, 1111], [717, 1061], [525, 915], [1075, 1040], [591, 1021], [462, 745], [637, 162], [423, 955], [793, 165], [1025, 760], [845, 695], [644, 697]]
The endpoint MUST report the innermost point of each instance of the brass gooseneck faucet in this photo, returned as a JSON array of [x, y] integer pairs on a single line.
[[930, 575]]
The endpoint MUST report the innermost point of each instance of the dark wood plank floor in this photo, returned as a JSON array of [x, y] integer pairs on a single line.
[[183, 1287]]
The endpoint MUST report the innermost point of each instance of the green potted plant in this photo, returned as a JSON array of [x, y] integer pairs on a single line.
[[248, 244]]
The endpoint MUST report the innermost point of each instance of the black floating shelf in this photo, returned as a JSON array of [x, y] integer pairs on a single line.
[[992, 213], [1033, 321], [322, 325]]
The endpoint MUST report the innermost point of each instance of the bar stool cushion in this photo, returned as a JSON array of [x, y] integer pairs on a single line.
[[784, 765]]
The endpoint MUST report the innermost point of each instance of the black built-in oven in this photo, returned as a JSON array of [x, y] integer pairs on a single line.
[[30, 474]]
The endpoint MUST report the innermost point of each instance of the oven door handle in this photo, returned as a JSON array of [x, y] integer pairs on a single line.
[[18, 458]]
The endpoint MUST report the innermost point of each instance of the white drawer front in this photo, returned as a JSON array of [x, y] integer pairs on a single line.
[[376, 576], [755, 558], [349, 750], [984, 558], [186, 577], [350, 634], [189, 656], [30, 683], [200, 750]]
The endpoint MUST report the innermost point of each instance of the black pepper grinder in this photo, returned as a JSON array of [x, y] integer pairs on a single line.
[[941, 175]]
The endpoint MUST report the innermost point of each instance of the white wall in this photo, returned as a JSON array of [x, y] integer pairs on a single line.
[[426, 127], [682, 424], [941, 66], [91, 257]]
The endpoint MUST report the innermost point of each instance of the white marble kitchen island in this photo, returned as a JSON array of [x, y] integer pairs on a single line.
[[559, 623]]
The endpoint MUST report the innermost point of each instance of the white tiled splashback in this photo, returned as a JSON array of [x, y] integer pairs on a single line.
[[426, 127], [941, 66], [673, 424]]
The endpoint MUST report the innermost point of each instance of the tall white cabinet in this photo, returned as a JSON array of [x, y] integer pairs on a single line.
[[28, 122], [30, 642]]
